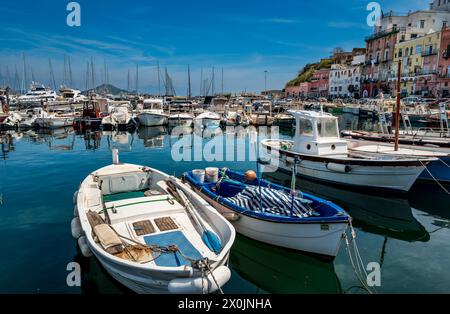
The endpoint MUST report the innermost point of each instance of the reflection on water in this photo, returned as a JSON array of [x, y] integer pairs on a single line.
[[399, 233], [277, 270]]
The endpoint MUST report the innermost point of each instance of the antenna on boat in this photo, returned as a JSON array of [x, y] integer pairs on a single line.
[[115, 156]]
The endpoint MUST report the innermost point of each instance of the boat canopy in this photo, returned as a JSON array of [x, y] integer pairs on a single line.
[[317, 133]]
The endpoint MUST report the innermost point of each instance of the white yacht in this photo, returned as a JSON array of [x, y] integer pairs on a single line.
[[36, 95]]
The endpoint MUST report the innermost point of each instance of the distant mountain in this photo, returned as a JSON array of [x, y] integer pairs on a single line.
[[109, 89]]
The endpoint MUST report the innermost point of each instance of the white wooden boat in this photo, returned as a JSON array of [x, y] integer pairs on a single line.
[[322, 155], [269, 213], [119, 117], [148, 239]]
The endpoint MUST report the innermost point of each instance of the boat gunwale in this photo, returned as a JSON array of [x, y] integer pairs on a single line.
[[345, 218]]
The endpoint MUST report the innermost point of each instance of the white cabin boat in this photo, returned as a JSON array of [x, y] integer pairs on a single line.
[[148, 237], [153, 113], [322, 155]]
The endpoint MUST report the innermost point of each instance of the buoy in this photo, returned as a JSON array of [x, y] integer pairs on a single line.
[[194, 285], [75, 194], [84, 247], [75, 226]]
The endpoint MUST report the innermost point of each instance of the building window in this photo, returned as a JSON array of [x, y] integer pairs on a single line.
[[400, 53], [444, 24], [422, 23], [418, 49]]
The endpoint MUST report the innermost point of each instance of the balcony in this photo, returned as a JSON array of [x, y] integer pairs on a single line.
[[384, 33], [429, 52]]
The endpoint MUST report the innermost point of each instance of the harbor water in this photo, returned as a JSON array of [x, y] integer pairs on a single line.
[[408, 235]]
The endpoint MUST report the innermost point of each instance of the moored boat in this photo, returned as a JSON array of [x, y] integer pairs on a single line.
[[151, 232], [270, 213], [322, 155]]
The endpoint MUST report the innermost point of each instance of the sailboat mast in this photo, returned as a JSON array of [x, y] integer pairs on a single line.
[[201, 83], [93, 75], [128, 81], [397, 109], [159, 81], [189, 82], [222, 82], [137, 79], [70, 72]]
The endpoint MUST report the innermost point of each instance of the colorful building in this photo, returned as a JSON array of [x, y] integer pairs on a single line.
[[419, 57], [443, 86]]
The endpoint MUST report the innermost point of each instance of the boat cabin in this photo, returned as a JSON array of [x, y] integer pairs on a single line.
[[153, 104], [317, 133]]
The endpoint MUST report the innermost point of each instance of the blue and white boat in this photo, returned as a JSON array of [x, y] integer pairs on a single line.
[[270, 213]]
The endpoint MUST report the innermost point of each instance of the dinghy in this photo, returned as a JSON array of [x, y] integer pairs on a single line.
[[151, 232], [322, 155], [270, 213]]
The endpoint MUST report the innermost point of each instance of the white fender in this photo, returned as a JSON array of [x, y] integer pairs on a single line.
[[75, 194], [75, 210], [84, 247], [338, 167], [75, 226], [231, 216], [194, 285]]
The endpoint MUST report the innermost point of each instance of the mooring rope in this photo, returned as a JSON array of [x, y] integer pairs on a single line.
[[359, 269], [429, 172]]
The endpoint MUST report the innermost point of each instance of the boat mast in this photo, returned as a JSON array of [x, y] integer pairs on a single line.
[[93, 75], [159, 80], [189, 82], [128, 81], [137, 79], [222, 82], [397, 109], [70, 72], [52, 75], [201, 82]]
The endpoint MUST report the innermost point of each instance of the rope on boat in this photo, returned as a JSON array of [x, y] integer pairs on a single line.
[[359, 269], [439, 183], [448, 166]]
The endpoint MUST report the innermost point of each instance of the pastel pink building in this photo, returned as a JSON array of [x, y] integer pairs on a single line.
[[318, 87], [443, 86]]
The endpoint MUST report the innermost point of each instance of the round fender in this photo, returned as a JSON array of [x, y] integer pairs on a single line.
[[194, 285], [84, 247], [338, 167], [75, 227]]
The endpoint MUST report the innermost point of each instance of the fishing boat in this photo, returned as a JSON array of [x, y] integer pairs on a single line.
[[322, 155], [284, 120], [180, 119], [270, 213], [30, 117], [54, 122], [153, 113], [151, 232], [91, 117], [207, 119]]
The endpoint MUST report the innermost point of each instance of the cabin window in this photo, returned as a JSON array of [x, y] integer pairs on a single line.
[[327, 128], [306, 127]]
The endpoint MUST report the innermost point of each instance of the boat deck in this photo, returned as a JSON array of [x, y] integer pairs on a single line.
[[157, 220]]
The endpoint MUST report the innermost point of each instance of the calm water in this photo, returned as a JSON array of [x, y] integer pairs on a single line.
[[409, 237]]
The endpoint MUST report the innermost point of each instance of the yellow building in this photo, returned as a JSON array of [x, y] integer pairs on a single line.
[[419, 59]]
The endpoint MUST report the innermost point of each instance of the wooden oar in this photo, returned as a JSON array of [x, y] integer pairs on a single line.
[[211, 240]]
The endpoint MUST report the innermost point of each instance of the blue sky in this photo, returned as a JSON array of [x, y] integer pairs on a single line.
[[243, 37]]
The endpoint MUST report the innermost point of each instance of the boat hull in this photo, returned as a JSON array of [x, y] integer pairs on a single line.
[[321, 239], [366, 174], [152, 119], [53, 123]]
